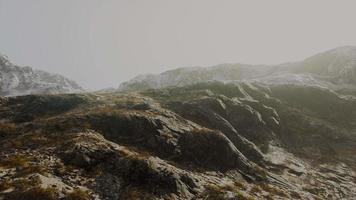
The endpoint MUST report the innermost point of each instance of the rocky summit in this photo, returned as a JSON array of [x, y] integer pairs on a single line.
[[15, 80], [209, 140]]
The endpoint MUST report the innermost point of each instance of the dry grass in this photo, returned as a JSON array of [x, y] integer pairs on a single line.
[[240, 185], [37, 139], [31, 169], [23, 165], [241, 196], [131, 193], [269, 197], [15, 161], [36, 193], [95, 171], [28, 140], [60, 169], [7, 128], [5, 184], [255, 189], [215, 192], [273, 190], [78, 194], [25, 183], [318, 198], [295, 195]]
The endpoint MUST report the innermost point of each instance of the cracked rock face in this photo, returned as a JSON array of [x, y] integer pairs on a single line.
[[205, 141]]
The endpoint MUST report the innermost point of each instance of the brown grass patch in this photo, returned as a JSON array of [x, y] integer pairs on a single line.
[[36, 193], [5, 184], [15, 161], [255, 189], [7, 128], [273, 190], [78, 194], [215, 192], [25, 183]]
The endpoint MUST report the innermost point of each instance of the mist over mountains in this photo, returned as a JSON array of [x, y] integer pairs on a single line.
[[335, 68], [232, 131]]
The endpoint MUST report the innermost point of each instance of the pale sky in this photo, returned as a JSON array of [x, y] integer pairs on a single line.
[[100, 43]]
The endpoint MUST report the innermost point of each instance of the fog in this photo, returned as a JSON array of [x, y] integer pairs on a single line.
[[102, 43]]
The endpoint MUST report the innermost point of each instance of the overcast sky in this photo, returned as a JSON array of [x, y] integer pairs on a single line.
[[100, 43]]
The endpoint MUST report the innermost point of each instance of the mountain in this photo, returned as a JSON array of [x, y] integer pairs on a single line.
[[335, 68], [339, 65], [231, 131], [15, 80], [188, 76], [209, 140]]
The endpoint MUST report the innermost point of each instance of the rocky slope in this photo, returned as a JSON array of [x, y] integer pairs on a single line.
[[334, 69], [204, 141], [15, 80]]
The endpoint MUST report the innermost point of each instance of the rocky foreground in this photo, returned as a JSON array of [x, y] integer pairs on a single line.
[[205, 141]]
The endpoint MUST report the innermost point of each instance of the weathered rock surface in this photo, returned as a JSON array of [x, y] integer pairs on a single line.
[[204, 141]]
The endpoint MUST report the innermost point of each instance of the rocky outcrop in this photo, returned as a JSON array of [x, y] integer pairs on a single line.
[[203, 112], [124, 167], [15, 80]]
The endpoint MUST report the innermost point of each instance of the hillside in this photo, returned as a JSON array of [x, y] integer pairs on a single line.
[[204, 141]]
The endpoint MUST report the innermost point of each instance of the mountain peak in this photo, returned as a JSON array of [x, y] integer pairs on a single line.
[[4, 60], [345, 51], [16, 80]]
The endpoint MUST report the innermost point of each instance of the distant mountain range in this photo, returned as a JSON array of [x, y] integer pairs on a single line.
[[15, 80], [335, 68]]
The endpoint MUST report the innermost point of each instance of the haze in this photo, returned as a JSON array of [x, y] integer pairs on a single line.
[[102, 43]]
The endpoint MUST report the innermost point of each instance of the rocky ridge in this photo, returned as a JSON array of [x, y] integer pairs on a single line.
[[204, 141], [334, 69], [15, 80]]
